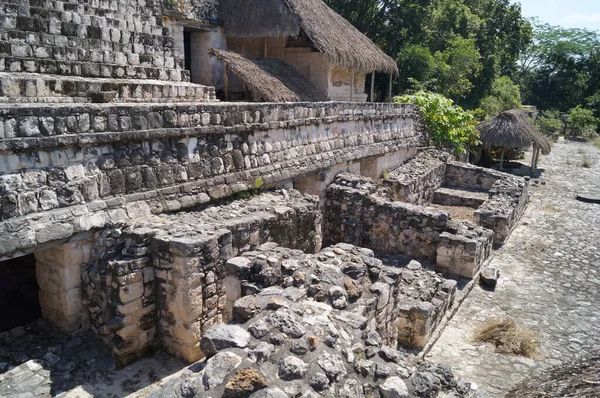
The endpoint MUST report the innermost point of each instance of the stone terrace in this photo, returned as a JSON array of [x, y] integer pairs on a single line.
[[549, 279]]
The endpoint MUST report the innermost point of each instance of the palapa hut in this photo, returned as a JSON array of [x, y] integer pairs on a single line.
[[321, 45], [513, 129]]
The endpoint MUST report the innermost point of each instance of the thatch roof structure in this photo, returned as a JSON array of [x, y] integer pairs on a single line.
[[579, 378], [270, 80], [512, 129], [329, 32]]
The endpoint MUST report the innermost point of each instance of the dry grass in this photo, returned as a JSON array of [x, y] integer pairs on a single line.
[[507, 337], [549, 209], [457, 212], [597, 142]]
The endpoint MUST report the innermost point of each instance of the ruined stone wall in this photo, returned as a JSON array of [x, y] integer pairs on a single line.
[[92, 38], [469, 176], [502, 211], [160, 281], [357, 213], [303, 333], [67, 169], [360, 213], [417, 180]]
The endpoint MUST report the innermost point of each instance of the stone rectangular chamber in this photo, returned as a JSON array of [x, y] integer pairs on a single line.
[[431, 177], [160, 281], [359, 212]]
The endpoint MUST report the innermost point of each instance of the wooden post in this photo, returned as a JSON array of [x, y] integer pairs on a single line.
[[352, 87], [501, 158], [264, 47], [226, 83], [373, 86], [390, 89], [533, 154]]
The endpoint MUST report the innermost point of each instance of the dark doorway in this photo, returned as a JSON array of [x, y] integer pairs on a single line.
[[187, 50], [19, 291]]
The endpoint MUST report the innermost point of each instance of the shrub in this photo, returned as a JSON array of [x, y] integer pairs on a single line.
[[549, 122], [581, 120], [449, 125]]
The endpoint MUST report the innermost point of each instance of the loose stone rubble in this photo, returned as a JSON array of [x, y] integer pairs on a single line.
[[164, 275], [299, 333]]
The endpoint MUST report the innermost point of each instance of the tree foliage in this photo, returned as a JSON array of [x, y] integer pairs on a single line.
[[505, 95], [549, 122], [449, 125], [454, 47], [581, 120], [561, 68]]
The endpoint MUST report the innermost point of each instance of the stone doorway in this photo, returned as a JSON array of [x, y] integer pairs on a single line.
[[19, 292]]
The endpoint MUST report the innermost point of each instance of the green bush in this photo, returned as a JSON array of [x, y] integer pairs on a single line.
[[449, 125], [581, 120], [549, 122]]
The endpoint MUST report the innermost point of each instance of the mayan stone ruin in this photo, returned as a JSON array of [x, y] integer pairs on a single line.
[[168, 198]]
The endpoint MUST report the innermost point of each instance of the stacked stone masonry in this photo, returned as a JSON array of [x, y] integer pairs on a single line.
[[499, 199], [361, 213], [61, 51], [160, 281], [65, 170], [299, 333]]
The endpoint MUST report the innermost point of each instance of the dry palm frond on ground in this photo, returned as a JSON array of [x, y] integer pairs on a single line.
[[507, 337]]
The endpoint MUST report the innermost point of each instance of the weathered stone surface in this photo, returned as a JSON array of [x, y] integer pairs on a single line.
[[291, 368], [244, 383], [393, 387], [220, 337], [219, 367]]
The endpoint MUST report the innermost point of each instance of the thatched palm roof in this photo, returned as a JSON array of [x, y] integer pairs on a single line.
[[579, 378], [512, 129], [329, 32], [270, 80]]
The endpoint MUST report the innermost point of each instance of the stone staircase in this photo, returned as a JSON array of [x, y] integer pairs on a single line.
[[91, 51], [25, 87]]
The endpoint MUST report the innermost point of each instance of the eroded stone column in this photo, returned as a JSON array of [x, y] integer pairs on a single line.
[[58, 272]]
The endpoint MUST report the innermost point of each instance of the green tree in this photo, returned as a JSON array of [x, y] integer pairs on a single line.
[[449, 125], [582, 120], [559, 70], [549, 122], [469, 42], [505, 95]]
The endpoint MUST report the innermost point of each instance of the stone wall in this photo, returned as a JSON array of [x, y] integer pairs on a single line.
[[417, 180], [160, 281], [58, 272], [100, 38], [359, 212], [469, 176], [301, 333], [65, 169], [502, 211]]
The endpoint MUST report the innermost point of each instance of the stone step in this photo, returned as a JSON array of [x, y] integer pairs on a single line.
[[91, 69], [22, 87]]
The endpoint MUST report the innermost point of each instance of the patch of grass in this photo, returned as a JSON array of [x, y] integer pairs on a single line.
[[507, 337], [385, 174], [596, 142], [585, 161]]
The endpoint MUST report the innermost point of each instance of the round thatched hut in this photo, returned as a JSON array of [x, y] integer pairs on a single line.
[[513, 129]]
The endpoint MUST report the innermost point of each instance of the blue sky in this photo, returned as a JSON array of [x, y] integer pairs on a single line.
[[567, 13]]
